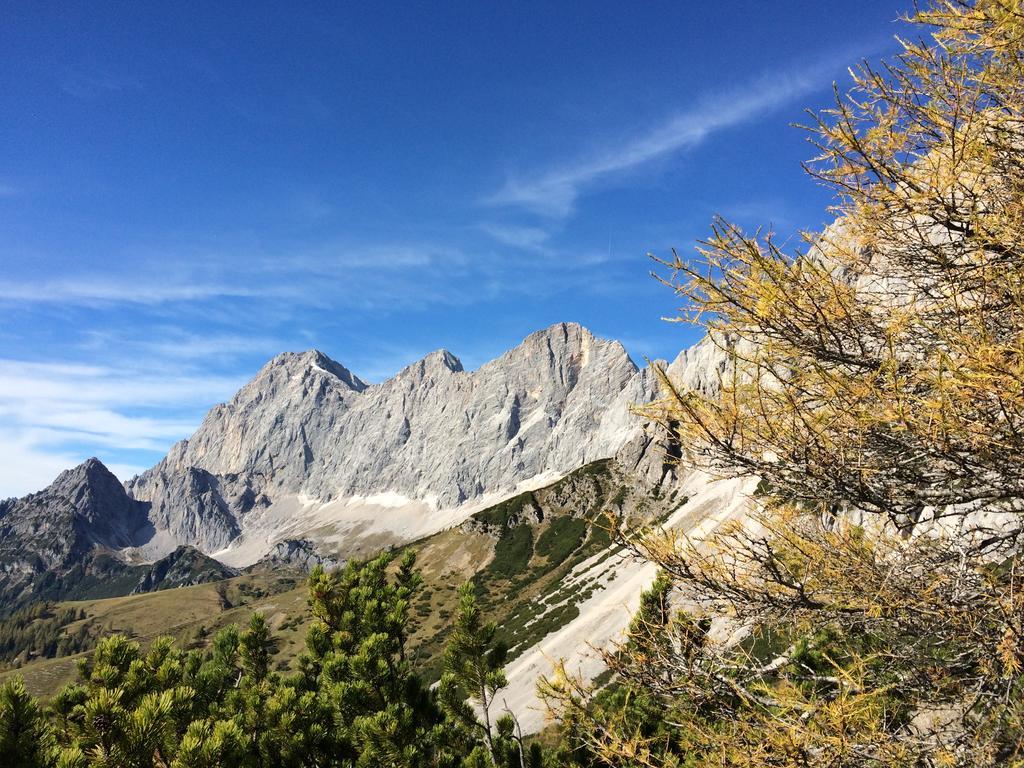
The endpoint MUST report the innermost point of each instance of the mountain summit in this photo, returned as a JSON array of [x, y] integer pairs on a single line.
[[306, 433], [84, 509]]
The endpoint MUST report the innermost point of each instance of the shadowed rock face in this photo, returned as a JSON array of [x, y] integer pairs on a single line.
[[68, 542], [650, 454], [183, 567], [84, 509], [299, 554], [306, 426]]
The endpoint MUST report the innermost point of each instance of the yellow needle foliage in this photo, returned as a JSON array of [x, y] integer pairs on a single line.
[[883, 366], [871, 613]]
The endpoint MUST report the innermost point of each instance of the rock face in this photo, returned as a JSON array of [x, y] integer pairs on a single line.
[[267, 437], [648, 454], [84, 509], [68, 541], [296, 553], [88, 502], [184, 567], [307, 429], [306, 451]]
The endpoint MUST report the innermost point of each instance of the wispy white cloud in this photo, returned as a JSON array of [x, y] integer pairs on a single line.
[[170, 343], [92, 291], [89, 85], [22, 381], [336, 258], [553, 192], [308, 276], [49, 411], [28, 466], [526, 238]]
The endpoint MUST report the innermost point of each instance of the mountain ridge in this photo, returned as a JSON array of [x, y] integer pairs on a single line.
[[306, 450], [70, 539], [308, 464], [306, 431]]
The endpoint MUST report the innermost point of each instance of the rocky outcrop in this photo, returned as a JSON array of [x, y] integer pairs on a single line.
[[47, 533], [271, 436], [306, 428], [195, 506], [69, 541], [299, 554], [651, 454], [184, 567], [436, 432]]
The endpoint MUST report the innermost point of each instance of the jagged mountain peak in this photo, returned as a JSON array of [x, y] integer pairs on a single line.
[[312, 361], [93, 464], [701, 366], [444, 359], [568, 336], [571, 338], [91, 470], [438, 362], [567, 330], [90, 487], [301, 435], [83, 509], [563, 352]]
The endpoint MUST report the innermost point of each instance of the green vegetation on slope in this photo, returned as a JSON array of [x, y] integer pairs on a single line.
[[561, 538], [500, 514], [517, 570], [533, 542], [191, 615], [38, 632], [512, 553], [354, 699]]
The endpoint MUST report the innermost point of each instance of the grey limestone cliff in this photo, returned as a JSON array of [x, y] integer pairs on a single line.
[[305, 427]]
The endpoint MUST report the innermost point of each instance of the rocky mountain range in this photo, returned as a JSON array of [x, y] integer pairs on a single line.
[[309, 461], [307, 464], [308, 450]]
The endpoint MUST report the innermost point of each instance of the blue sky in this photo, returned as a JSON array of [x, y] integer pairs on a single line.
[[187, 189]]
